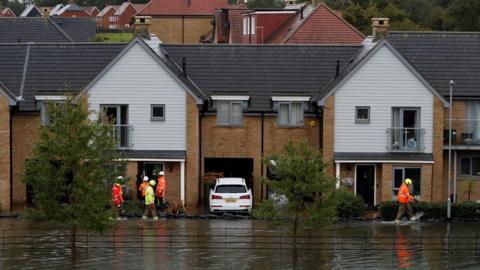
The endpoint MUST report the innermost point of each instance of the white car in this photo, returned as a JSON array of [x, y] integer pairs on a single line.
[[231, 195]]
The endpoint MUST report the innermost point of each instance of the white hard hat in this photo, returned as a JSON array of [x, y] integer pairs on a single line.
[[145, 178], [161, 172], [120, 177]]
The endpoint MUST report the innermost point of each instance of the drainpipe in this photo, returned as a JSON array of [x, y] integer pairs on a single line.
[[11, 161], [320, 128], [261, 155], [200, 182]]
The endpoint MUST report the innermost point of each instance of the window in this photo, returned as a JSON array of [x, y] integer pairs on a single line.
[[45, 113], [362, 115], [400, 174], [405, 133], [470, 166], [229, 113], [116, 116], [290, 113], [111, 19], [245, 25], [253, 25], [472, 123], [158, 112]]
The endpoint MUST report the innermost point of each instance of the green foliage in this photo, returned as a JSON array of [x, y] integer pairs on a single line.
[[113, 37], [349, 205], [16, 6], [309, 193], [67, 172], [265, 4], [463, 210]]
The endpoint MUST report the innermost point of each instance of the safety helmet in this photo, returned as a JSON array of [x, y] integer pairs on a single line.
[[119, 177], [408, 181], [152, 183], [145, 178], [161, 173]]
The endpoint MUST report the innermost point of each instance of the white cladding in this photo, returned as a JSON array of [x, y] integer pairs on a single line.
[[381, 83], [138, 81]]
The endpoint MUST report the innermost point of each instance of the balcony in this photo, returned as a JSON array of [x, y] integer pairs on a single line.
[[123, 135], [405, 139], [464, 132]]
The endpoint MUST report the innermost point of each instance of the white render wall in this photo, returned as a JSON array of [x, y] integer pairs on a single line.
[[382, 82], [139, 81]]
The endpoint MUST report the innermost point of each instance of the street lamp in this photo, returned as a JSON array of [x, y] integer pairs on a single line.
[[449, 201]]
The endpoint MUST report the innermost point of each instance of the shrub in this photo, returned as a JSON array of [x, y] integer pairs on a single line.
[[463, 210], [349, 205]]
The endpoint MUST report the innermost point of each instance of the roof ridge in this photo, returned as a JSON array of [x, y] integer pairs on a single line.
[[435, 32], [60, 29], [62, 43]]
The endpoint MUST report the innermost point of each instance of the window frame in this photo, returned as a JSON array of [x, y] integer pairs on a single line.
[[230, 113], [362, 121], [470, 159], [395, 189], [252, 24], [156, 118], [289, 124]]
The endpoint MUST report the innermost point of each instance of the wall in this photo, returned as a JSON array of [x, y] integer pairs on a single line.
[[328, 135], [382, 82], [268, 23], [124, 19], [4, 154], [387, 181], [76, 14], [192, 170], [439, 184], [25, 131], [178, 29], [139, 81], [104, 21]]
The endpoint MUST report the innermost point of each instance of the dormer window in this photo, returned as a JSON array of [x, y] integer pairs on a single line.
[[249, 25], [290, 110], [230, 109], [44, 102]]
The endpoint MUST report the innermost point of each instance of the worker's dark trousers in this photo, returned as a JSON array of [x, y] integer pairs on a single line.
[[402, 208]]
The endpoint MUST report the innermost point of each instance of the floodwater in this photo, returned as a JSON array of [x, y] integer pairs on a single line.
[[242, 244]]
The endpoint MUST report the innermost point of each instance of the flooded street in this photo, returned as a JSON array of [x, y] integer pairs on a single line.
[[242, 244]]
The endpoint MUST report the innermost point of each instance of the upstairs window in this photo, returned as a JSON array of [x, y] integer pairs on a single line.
[[229, 113], [158, 112], [290, 114], [245, 25], [470, 166], [362, 115], [252, 24]]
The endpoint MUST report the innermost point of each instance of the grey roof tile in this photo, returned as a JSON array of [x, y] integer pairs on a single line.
[[443, 56], [79, 29], [18, 30], [261, 71]]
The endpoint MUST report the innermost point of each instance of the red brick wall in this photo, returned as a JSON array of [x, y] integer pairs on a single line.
[[269, 23], [76, 14], [124, 19], [4, 155]]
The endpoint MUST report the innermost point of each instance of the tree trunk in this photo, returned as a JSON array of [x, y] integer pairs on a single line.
[[73, 238], [294, 246]]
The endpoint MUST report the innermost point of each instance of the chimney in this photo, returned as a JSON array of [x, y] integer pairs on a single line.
[[141, 26], [45, 13], [380, 28], [290, 3]]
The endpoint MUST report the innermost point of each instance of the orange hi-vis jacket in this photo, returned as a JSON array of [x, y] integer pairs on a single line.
[[404, 194], [161, 186], [117, 195], [143, 188]]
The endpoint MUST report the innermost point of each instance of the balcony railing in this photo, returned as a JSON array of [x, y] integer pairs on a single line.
[[405, 139], [123, 135], [463, 131]]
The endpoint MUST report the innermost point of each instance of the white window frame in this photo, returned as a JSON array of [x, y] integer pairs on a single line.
[[253, 25], [157, 118], [230, 117], [245, 25], [290, 124]]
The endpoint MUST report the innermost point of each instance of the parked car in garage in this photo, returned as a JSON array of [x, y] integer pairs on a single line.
[[231, 195]]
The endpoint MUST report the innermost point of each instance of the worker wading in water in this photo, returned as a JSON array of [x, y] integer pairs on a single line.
[[150, 201], [404, 199]]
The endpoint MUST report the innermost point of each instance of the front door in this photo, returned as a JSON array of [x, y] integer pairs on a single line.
[[366, 182]]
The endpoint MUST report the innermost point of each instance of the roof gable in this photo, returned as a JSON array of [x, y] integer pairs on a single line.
[[31, 11], [324, 26], [26, 29], [182, 7], [351, 71], [155, 57]]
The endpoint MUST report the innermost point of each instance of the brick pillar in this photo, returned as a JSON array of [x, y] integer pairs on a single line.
[[132, 171], [193, 151], [4, 155], [438, 186], [328, 135]]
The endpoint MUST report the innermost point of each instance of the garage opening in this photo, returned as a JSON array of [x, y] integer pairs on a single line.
[[226, 167]]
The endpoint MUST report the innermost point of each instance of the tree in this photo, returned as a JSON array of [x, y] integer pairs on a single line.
[[68, 171], [16, 6], [308, 192], [465, 15], [265, 4]]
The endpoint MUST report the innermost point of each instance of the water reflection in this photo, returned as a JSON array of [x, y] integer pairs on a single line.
[[245, 244]]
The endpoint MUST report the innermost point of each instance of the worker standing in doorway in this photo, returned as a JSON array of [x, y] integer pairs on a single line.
[[143, 187], [117, 198], [150, 201], [161, 189], [404, 199]]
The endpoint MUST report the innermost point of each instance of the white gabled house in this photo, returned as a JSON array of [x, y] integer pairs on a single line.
[[384, 129], [148, 105]]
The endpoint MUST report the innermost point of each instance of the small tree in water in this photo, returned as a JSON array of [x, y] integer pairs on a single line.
[[304, 193], [67, 172]]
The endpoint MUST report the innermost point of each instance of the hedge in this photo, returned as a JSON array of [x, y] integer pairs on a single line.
[[462, 210], [349, 205]]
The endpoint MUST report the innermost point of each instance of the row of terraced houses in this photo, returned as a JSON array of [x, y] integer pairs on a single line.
[[377, 109]]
